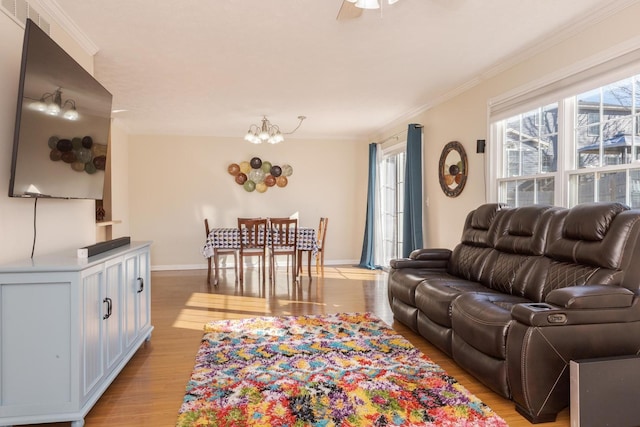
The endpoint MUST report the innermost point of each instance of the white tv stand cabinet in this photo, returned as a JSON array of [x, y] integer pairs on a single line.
[[68, 326]]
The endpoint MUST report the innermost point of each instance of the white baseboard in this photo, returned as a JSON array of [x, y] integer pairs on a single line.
[[173, 267]]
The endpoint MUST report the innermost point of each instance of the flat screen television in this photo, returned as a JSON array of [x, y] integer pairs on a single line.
[[62, 127]]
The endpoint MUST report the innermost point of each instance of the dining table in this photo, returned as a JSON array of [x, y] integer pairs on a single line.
[[229, 238]]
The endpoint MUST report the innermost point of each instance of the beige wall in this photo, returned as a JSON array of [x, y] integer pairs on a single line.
[[177, 181], [464, 118], [61, 224], [119, 151], [164, 186]]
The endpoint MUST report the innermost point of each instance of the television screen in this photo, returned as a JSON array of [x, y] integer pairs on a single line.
[[62, 124]]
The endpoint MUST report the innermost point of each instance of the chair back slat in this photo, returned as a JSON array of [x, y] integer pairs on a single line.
[[322, 232], [283, 233], [253, 233]]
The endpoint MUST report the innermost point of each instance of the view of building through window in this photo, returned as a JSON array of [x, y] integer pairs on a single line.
[[598, 161]]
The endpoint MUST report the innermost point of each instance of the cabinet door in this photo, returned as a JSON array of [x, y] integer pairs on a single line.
[[144, 290], [130, 298], [137, 295], [112, 320], [93, 307]]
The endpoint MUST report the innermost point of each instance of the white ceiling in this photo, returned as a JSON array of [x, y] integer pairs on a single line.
[[213, 67]]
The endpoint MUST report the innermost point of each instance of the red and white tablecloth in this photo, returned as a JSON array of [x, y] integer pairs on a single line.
[[229, 238]]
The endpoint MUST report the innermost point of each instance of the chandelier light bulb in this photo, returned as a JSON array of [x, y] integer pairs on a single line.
[[39, 105], [268, 132], [51, 104], [71, 114], [55, 106], [368, 4], [53, 109]]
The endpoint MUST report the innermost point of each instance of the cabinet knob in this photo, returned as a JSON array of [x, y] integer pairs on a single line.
[[141, 282]]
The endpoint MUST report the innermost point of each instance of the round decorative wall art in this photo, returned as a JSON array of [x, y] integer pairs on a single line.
[[453, 169], [258, 175]]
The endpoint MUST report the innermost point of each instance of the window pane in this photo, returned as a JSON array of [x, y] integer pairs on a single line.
[[634, 188], [513, 162], [545, 191], [612, 187], [526, 192], [617, 99], [618, 141], [549, 125], [530, 142], [530, 125], [530, 157], [549, 153], [588, 142], [588, 104], [508, 192], [549, 139], [583, 188]]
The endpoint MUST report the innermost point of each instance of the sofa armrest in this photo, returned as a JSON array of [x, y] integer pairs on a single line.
[[594, 296], [581, 305], [431, 254], [424, 258]]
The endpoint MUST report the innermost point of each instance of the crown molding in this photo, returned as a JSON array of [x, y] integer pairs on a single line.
[[527, 52], [57, 14], [568, 31]]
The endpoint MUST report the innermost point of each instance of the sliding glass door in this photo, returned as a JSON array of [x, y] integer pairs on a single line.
[[392, 166]]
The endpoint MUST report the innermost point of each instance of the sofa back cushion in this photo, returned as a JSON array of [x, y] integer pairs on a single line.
[[478, 238], [595, 246], [522, 239], [594, 234]]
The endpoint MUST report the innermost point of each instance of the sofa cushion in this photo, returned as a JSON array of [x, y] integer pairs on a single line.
[[509, 273], [596, 237], [434, 296], [482, 320], [468, 262], [482, 225], [591, 221], [548, 274], [526, 230], [483, 216], [402, 284]]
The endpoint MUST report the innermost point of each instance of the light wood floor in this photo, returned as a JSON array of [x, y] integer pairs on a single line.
[[149, 391]]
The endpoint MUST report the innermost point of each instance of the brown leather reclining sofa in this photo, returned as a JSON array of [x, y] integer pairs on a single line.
[[526, 291]]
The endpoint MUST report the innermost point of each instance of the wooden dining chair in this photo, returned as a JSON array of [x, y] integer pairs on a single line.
[[283, 241], [216, 258], [321, 237], [253, 242]]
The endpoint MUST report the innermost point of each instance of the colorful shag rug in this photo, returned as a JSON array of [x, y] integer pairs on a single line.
[[322, 370]]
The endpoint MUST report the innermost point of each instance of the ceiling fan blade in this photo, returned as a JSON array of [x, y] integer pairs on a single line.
[[348, 10]]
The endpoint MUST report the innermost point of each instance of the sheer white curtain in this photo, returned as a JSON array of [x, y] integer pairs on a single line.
[[378, 251]]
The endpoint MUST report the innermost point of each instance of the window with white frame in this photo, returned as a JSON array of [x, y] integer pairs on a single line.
[[605, 131], [530, 157], [580, 147]]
